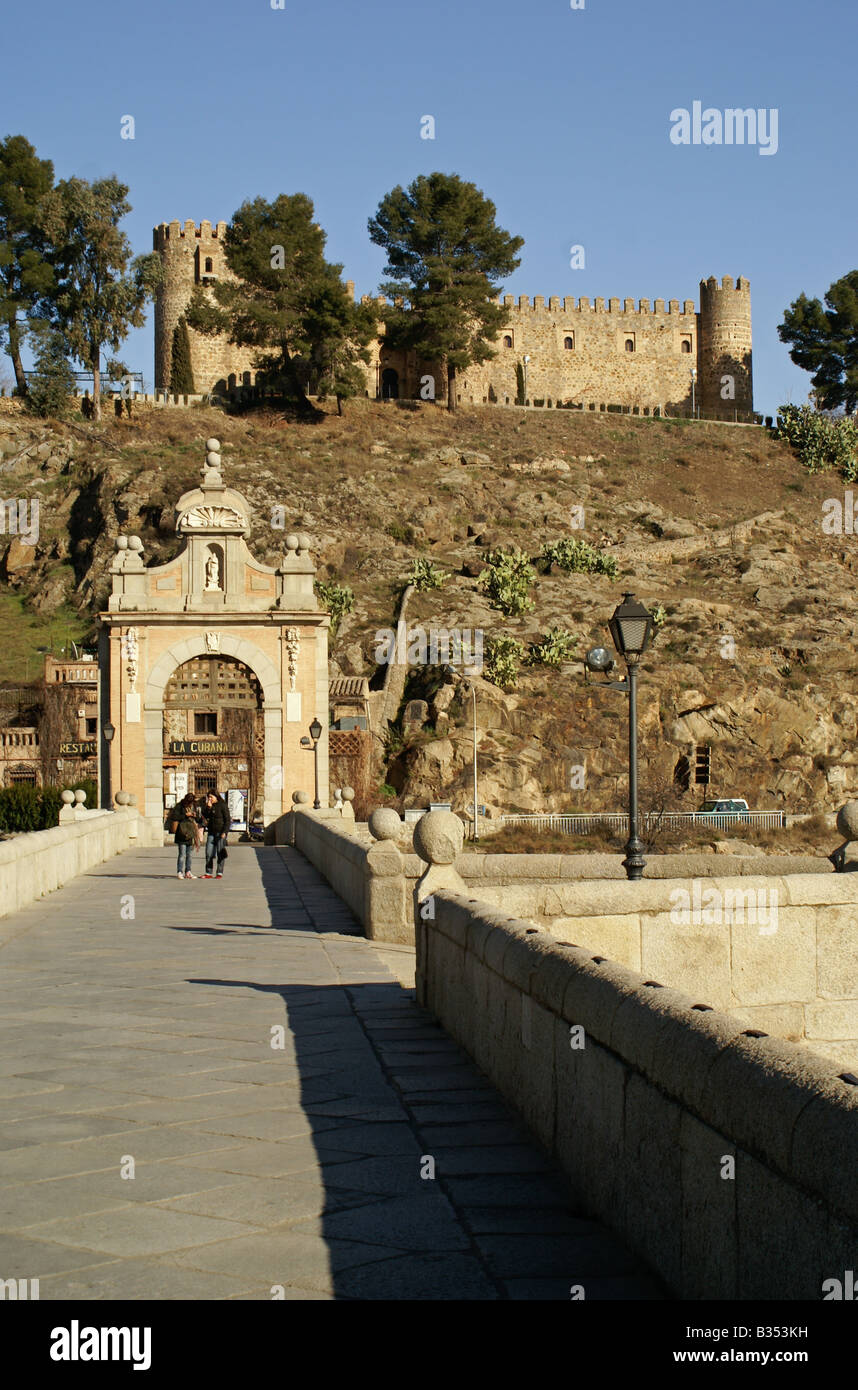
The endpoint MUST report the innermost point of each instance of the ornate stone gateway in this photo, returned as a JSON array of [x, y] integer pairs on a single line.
[[213, 665]]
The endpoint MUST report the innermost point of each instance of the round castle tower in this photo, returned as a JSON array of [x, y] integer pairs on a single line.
[[192, 255], [726, 380]]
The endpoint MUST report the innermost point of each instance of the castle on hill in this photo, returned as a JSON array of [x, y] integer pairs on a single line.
[[647, 359]]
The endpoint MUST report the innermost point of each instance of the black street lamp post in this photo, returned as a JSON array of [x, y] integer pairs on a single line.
[[630, 627], [313, 742]]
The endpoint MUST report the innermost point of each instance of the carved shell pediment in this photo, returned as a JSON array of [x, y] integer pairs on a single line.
[[212, 518]]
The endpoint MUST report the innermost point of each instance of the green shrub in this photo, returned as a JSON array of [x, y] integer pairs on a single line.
[[507, 580], [577, 557], [20, 809], [556, 646], [51, 382], [339, 599], [425, 576], [820, 442], [501, 659]]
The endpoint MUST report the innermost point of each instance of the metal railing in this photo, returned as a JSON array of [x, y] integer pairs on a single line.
[[670, 820]]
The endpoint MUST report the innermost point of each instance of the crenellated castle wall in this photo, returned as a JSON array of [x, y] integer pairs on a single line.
[[645, 354], [193, 255]]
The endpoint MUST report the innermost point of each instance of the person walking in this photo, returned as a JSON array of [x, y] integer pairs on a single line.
[[184, 825], [217, 824]]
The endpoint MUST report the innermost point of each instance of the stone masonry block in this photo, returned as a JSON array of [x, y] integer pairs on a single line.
[[636, 1026], [695, 958], [708, 1226], [783, 1020], [652, 1163], [593, 996], [618, 938], [590, 1142], [755, 1091], [782, 1237], [552, 975], [832, 1021], [822, 890], [775, 967], [825, 1147], [837, 958], [521, 959]]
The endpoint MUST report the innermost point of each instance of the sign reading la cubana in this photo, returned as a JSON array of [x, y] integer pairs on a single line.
[[85, 749], [182, 747]]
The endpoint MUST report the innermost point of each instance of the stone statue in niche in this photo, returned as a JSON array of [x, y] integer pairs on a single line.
[[212, 573]]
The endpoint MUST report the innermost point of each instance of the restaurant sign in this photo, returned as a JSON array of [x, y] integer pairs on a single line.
[[84, 749], [184, 747]]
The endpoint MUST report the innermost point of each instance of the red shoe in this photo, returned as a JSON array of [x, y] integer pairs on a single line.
[[218, 875], [208, 875]]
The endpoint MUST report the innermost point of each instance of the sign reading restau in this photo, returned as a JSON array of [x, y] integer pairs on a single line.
[[86, 749]]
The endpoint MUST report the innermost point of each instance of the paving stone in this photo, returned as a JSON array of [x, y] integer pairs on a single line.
[[420, 1277], [256, 1167]]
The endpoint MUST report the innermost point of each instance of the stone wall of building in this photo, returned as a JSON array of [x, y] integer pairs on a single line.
[[194, 255], [582, 352]]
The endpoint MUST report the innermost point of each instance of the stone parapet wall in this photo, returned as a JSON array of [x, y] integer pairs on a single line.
[[641, 1095], [35, 864], [774, 951]]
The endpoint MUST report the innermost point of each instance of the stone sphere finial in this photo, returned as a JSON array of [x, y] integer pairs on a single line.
[[121, 542], [135, 543], [384, 824], [292, 541], [303, 541], [348, 793], [213, 446], [67, 797], [80, 796], [132, 798], [121, 798], [300, 798], [213, 460], [847, 820], [439, 837]]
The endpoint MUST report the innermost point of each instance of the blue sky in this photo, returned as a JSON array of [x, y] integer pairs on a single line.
[[561, 116]]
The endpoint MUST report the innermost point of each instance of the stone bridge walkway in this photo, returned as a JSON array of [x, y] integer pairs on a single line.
[[218, 1089]]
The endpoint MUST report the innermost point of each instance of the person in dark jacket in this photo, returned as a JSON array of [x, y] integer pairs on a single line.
[[184, 824], [217, 825]]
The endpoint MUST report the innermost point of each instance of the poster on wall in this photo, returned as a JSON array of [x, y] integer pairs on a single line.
[[236, 800]]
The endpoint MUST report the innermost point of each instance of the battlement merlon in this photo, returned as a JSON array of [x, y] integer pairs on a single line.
[[166, 232], [569, 305], [740, 286]]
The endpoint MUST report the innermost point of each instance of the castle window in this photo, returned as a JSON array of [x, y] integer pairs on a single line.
[[507, 342], [686, 345], [569, 342], [209, 265], [205, 723], [630, 344]]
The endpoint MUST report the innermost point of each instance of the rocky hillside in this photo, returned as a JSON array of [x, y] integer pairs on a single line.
[[719, 524]]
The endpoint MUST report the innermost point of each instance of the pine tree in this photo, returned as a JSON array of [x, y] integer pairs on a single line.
[[102, 292], [825, 342], [52, 381], [181, 371], [444, 253], [26, 275], [287, 301]]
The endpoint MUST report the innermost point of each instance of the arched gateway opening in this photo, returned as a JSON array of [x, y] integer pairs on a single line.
[[214, 735], [213, 664]]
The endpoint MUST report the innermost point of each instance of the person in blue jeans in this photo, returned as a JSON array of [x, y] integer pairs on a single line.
[[184, 824], [217, 825]]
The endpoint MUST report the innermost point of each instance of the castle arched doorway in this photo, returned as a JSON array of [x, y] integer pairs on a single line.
[[214, 734], [390, 384]]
